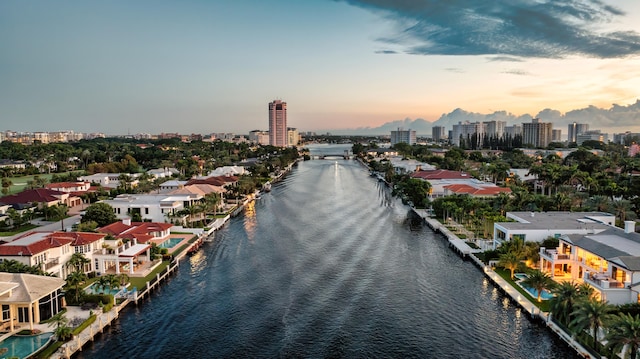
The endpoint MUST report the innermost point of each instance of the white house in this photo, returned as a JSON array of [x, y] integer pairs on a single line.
[[42, 249], [172, 185], [538, 226], [151, 207], [69, 187], [108, 180], [608, 261], [225, 171], [165, 172]]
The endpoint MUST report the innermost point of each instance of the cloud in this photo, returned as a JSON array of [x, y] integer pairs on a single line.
[[386, 52], [526, 28], [517, 72], [504, 59], [616, 119], [454, 69]]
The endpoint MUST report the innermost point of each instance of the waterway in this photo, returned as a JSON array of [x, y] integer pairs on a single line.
[[327, 265]]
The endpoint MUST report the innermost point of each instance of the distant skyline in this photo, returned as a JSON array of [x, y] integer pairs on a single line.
[[213, 66]]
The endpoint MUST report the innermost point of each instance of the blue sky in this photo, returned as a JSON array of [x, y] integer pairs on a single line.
[[212, 66]]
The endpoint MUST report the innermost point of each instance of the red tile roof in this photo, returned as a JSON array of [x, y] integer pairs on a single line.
[[33, 196], [18, 249], [138, 230], [476, 191], [216, 180], [440, 174]]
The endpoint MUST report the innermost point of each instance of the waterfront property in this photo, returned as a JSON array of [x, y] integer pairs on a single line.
[[151, 207], [608, 260], [446, 183], [52, 250], [546, 295], [23, 346], [538, 226], [27, 299], [171, 242]]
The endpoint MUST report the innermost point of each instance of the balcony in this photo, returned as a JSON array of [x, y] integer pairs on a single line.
[[602, 281], [52, 263], [552, 254]]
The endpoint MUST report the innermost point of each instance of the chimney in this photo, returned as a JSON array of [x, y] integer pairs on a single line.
[[126, 221], [629, 226]]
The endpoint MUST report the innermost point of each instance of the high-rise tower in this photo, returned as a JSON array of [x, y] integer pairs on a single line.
[[576, 129], [278, 123], [537, 133]]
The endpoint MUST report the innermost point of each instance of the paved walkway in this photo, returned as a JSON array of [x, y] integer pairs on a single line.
[[46, 226]]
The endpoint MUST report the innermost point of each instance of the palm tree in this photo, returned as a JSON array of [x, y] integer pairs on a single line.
[[585, 291], [113, 281], [510, 261], [60, 211], [591, 314], [561, 305], [102, 284], [624, 331], [539, 281], [74, 280], [622, 209], [77, 262], [63, 331], [123, 278]]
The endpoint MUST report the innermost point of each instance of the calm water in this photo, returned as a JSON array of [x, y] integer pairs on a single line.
[[327, 265]]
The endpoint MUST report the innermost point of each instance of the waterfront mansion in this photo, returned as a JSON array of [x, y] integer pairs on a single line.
[[609, 261], [591, 250]]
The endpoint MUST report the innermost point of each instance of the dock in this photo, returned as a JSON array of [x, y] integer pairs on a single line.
[[102, 321], [466, 252], [456, 244]]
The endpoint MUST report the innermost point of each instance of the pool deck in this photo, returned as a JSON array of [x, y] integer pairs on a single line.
[[534, 312], [185, 239]]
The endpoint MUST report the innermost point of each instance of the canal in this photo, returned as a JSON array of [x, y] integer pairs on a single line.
[[327, 265]]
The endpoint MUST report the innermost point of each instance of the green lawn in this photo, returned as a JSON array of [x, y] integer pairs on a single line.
[[506, 275], [23, 228], [140, 282], [20, 183]]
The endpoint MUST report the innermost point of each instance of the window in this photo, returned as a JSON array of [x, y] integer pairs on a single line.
[[6, 312], [146, 211]]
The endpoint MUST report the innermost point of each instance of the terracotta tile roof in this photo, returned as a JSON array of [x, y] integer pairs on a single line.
[[114, 229], [440, 174], [22, 246], [476, 191], [79, 238], [138, 230], [33, 196], [65, 184], [215, 181]]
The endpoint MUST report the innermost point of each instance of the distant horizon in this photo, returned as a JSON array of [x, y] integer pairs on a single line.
[[341, 65]]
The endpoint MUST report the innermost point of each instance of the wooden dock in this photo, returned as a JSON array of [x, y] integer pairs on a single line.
[[501, 284], [154, 283], [103, 320], [456, 244]]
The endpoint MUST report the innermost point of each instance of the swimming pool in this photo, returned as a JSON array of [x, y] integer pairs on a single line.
[[23, 346], [94, 289], [171, 242], [546, 295], [520, 276]]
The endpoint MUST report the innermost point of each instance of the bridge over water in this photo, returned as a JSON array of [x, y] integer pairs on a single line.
[[345, 155]]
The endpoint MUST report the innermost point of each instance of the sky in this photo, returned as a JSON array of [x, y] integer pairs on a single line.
[[213, 66]]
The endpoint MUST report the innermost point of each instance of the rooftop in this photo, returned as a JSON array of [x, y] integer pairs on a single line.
[[557, 220]]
